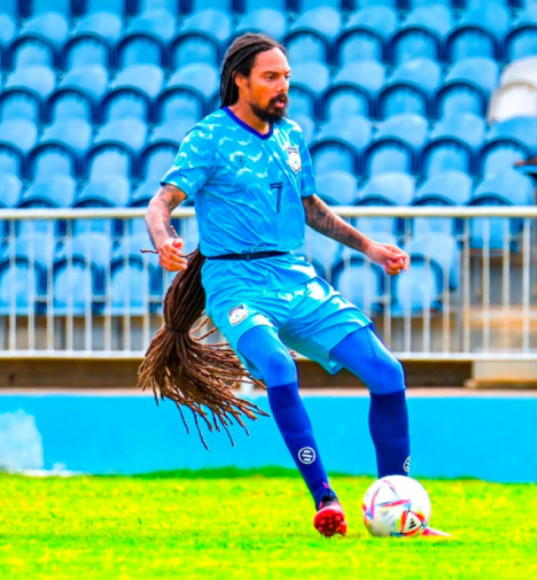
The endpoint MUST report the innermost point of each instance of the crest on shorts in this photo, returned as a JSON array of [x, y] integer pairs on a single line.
[[294, 159], [237, 315]]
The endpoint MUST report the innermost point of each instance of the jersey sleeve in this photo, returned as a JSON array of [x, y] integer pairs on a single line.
[[309, 186], [194, 163]]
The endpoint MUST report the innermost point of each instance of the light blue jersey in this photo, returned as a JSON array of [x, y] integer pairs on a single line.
[[247, 190]]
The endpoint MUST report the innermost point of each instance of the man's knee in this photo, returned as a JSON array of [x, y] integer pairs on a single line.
[[279, 367], [389, 378]]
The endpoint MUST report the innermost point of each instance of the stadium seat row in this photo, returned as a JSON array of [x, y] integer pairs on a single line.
[[319, 35]]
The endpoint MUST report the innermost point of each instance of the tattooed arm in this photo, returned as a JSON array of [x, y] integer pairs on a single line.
[[157, 218], [322, 219]]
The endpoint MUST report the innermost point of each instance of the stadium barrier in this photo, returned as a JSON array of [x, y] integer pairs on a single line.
[[74, 283]]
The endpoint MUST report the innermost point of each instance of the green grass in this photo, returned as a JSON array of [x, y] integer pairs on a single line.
[[231, 525]]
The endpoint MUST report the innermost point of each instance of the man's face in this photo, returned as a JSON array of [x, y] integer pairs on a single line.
[[266, 90]]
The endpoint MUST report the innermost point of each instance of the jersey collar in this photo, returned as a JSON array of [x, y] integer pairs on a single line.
[[247, 127]]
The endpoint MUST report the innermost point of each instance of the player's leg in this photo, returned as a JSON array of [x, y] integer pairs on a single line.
[[262, 348], [362, 353]]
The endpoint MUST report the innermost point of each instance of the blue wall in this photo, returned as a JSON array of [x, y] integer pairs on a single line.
[[489, 438]]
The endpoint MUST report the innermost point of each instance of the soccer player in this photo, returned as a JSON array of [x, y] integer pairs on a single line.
[[250, 173]]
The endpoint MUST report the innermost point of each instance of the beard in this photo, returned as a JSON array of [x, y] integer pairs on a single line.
[[271, 114]]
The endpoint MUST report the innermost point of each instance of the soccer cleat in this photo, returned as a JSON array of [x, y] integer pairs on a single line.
[[432, 532], [330, 519]]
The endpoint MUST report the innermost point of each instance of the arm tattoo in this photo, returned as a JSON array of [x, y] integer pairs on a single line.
[[322, 219], [158, 215]]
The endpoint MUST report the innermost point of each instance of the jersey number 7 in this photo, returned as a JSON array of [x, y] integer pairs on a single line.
[[278, 187]]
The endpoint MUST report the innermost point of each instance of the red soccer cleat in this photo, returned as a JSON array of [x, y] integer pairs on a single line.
[[330, 519], [432, 532]]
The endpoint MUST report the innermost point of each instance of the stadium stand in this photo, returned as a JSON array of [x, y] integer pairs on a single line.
[[402, 103]]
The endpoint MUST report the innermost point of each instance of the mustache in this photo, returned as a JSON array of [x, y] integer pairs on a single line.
[[281, 97]]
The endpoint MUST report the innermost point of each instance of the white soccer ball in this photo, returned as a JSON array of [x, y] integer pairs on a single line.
[[396, 506]]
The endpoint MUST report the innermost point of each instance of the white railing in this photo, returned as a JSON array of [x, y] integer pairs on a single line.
[[474, 297]]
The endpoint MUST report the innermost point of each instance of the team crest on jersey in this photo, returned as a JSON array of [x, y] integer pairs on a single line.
[[237, 315], [294, 159]]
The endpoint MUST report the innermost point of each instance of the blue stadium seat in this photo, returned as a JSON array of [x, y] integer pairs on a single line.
[[506, 187], [215, 22], [118, 7], [387, 189], [70, 103], [361, 282], [174, 104], [108, 160], [189, 234], [521, 40], [38, 78], [307, 124], [8, 29], [158, 22], [194, 47], [130, 287], [422, 34], [139, 49], [448, 188], [130, 131], [11, 160], [11, 187], [310, 80], [30, 50], [156, 159], [467, 87], [144, 6], [126, 102], [410, 88], [90, 247], [312, 33], [251, 5], [86, 49], [501, 153], [447, 154], [21, 284], [40, 6], [104, 24], [75, 133], [467, 127], [20, 104], [112, 191], [173, 131], [320, 251], [92, 79], [74, 286], [130, 246], [54, 191], [146, 77], [408, 127], [36, 248], [354, 89], [269, 20], [480, 32], [338, 145], [337, 187], [523, 129], [365, 34], [434, 268], [50, 25], [389, 154], [200, 77], [20, 133]]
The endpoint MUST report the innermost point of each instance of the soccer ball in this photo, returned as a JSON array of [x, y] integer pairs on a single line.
[[396, 506]]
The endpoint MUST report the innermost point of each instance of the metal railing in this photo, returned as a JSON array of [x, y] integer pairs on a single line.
[[470, 294]]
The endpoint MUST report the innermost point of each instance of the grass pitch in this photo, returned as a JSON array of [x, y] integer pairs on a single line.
[[232, 525]]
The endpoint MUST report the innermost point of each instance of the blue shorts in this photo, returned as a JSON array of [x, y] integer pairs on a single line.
[[311, 318]]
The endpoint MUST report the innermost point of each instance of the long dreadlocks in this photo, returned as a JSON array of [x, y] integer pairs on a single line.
[[178, 365]]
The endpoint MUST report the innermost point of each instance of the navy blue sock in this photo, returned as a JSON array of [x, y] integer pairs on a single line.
[[388, 424], [292, 419]]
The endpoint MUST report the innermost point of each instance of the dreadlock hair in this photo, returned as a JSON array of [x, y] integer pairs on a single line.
[[178, 365], [240, 59]]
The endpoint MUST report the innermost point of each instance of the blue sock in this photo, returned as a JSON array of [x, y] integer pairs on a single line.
[[292, 419], [388, 423]]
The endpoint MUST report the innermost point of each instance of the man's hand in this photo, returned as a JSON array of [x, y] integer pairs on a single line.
[[171, 257], [390, 257]]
